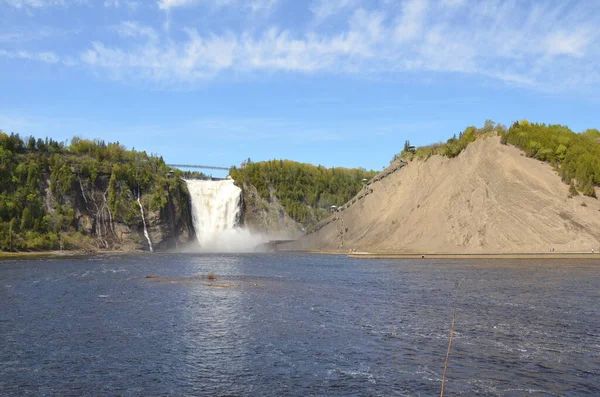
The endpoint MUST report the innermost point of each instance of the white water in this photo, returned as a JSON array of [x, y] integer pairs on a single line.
[[144, 221], [216, 207]]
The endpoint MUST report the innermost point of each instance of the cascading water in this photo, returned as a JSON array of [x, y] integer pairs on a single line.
[[216, 207], [144, 222]]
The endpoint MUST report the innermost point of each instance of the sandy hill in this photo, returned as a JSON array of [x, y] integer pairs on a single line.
[[488, 199]]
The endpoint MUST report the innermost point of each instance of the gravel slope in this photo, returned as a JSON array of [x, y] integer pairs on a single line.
[[489, 199]]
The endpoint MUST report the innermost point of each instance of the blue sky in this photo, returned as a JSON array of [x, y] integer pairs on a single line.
[[331, 82]]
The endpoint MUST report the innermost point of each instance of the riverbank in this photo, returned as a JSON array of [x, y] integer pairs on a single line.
[[445, 255], [356, 254], [56, 254], [429, 255]]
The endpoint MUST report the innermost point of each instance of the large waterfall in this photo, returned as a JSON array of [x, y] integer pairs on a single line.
[[216, 208]]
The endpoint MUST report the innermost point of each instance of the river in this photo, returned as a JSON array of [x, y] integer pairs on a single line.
[[297, 325]]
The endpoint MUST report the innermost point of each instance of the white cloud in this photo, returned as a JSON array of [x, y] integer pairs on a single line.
[[25, 34], [410, 23], [563, 42], [255, 6], [32, 3], [537, 44], [132, 5], [453, 3], [134, 29], [197, 58], [46, 57], [279, 50], [167, 4], [11, 37], [261, 6], [26, 4], [323, 9]]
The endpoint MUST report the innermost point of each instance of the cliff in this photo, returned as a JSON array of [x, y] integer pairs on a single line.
[[267, 217], [490, 198], [168, 227], [284, 195], [87, 196]]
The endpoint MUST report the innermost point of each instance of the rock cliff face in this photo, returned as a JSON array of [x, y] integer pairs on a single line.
[[98, 229], [488, 199], [168, 228], [267, 217]]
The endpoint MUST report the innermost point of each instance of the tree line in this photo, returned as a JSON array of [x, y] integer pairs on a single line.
[[305, 191], [453, 146], [575, 156]]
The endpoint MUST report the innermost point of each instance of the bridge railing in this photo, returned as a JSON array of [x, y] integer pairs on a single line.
[[201, 178], [204, 167]]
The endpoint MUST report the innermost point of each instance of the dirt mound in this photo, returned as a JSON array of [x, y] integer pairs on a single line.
[[489, 199]]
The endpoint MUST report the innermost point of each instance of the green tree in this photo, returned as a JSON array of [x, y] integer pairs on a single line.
[[26, 219]]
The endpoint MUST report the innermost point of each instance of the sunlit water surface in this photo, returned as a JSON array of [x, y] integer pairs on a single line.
[[297, 325]]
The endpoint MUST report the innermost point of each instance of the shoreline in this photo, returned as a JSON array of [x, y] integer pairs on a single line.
[[354, 255], [448, 255], [490, 255], [58, 254], [34, 254]]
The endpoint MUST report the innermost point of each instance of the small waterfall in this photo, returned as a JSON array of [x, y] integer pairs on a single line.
[[144, 222], [216, 209]]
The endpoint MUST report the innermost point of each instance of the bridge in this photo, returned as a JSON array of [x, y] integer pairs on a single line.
[[204, 167]]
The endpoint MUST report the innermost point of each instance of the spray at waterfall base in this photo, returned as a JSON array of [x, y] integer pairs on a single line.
[[216, 213]]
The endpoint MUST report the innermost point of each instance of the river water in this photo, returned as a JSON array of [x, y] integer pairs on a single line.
[[297, 325]]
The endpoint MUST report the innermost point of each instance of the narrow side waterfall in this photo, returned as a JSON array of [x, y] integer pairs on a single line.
[[144, 222], [216, 210]]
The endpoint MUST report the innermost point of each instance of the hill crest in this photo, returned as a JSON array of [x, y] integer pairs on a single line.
[[491, 198]]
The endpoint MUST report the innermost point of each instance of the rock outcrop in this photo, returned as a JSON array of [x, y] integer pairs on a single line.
[[98, 229], [267, 217]]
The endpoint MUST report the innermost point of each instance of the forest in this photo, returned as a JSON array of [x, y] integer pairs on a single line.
[[45, 186], [305, 191]]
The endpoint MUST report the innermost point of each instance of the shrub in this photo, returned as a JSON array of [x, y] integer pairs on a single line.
[[572, 190], [588, 190]]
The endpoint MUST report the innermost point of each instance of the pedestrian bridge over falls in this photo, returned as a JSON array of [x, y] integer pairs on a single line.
[[202, 167]]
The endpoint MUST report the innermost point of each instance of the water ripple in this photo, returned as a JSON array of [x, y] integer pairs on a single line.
[[296, 325]]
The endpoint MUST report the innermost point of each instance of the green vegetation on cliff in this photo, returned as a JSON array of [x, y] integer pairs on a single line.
[[305, 191], [575, 156], [55, 195]]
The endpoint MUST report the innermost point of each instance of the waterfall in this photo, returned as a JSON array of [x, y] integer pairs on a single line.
[[216, 209], [144, 222]]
